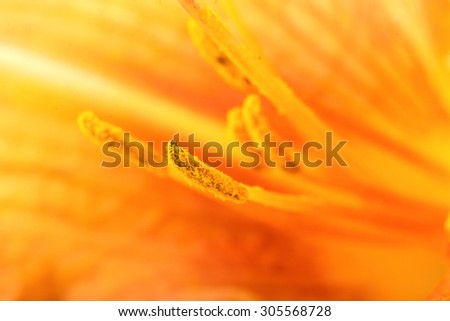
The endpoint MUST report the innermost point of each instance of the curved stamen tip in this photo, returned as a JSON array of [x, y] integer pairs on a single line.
[[86, 121], [203, 177], [97, 130]]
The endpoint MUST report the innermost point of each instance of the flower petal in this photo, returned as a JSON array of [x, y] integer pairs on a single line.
[[137, 44]]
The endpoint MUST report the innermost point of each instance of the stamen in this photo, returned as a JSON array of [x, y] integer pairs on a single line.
[[101, 132], [250, 124], [235, 129], [209, 179], [217, 58], [259, 72], [238, 22], [256, 124], [203, 177], [97, 130]]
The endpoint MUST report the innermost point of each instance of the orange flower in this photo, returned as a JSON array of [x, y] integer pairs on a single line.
[[375, 74]]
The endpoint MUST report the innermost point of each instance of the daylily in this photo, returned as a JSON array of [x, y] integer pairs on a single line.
[[374, 73]]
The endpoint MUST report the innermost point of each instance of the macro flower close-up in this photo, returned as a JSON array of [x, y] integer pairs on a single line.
[[370, 79]]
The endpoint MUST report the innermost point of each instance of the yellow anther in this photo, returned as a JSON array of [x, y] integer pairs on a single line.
[[236, 129], [102, 132], [203, 177], [255, 122], [97, 130]]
